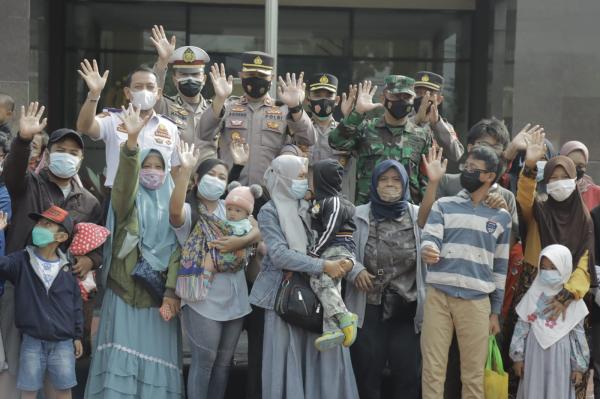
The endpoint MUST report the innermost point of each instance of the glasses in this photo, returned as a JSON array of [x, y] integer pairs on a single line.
[[471, 169]]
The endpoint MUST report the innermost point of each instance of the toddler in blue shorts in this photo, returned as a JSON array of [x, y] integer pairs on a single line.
[[48, 306]]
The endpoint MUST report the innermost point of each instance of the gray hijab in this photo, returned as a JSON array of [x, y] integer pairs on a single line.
[[292, 213]]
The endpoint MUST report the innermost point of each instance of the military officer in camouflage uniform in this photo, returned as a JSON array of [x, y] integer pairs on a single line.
[[391, 136], [186, 107], [322, 99], [255, 118], [428, 88]]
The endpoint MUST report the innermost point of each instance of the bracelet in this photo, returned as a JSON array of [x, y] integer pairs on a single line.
[[92, 99], [295, 109]]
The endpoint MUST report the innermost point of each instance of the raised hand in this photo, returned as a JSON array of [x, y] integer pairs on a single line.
[[364, 97], [133, 122], [348, 100], [222, 84], [189, 155], [91, 76], [434, 114], [240, 151], [422, 114], [31, 122], [292, 90], [164, 47], [536, 149], [434, 166]]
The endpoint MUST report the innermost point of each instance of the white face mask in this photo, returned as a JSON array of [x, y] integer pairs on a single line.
[[144, 99], [560, 190]]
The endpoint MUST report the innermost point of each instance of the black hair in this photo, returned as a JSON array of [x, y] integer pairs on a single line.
[[7, 101], [491, 127], [493, 163], [141, 68]]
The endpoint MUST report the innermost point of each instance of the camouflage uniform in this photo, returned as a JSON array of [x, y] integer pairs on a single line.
[[373, 141]]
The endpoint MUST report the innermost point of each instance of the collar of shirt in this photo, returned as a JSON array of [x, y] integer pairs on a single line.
[[198, 109]]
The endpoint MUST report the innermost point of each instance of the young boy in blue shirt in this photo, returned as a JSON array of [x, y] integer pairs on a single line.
[[48, 306]]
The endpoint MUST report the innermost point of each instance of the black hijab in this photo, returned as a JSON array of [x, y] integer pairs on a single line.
[[388, 210]]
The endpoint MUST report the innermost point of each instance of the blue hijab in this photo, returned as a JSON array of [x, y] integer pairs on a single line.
[[383, 210], [157, 239]]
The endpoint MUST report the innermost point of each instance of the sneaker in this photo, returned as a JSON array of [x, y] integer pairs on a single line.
[[329, 340], [348, 324]]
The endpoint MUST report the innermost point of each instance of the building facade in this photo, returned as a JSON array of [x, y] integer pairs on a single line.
[[521, 61]]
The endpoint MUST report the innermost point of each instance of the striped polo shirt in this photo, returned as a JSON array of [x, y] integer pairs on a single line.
[[474, 245]]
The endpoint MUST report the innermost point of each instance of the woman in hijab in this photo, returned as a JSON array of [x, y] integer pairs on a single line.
[[561, 219], [579, 154], [388, 286], [292, 367], [550, 356], [212, 324], [138, 352]]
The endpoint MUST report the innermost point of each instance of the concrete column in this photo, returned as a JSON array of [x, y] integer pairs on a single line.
[[14, 51], [271, 35]]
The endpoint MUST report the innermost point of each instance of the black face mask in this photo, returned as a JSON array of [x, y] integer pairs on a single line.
[[190, 87], [470, 181], [580, 172], [256, 87], [398, 108], [324, 105]]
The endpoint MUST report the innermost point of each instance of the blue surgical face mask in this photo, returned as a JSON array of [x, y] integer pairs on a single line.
[[41, 236], [551, 278], [299, 188], [211, 188], [64, 165], [540, 170]]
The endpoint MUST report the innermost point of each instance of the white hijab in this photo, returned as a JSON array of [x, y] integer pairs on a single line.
[[531, 308], [292, 212]]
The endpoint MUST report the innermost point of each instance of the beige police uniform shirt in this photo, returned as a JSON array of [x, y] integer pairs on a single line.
[[265, 126]]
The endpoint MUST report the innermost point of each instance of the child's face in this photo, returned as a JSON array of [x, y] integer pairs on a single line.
[[60, 236], [546, 264], [235, 213], [5, 114]]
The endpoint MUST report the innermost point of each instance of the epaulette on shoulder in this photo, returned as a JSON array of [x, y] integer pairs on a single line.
[[172, 98], [168, 118]]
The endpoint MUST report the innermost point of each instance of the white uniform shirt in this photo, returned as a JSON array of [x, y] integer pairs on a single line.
[[159, 134]]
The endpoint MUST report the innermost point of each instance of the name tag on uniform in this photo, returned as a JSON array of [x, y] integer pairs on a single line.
[[274, 111]]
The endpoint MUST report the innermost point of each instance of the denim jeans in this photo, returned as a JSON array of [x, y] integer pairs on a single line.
[[213, 345]]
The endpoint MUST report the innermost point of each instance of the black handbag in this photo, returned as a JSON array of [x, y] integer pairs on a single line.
[[297, 304], [153, 281]]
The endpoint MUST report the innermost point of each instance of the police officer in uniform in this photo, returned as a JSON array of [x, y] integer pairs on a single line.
[[186, 107], [322, 99], [428, 112], [255, 118]]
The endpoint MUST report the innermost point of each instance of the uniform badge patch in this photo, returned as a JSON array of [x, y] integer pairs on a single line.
[[491, 226]]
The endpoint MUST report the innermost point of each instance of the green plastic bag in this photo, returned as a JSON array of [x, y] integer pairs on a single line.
[[496, 379]]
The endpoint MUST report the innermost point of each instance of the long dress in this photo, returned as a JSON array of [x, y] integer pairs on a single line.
[[547, 373], [294, 369], [137, 354]]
